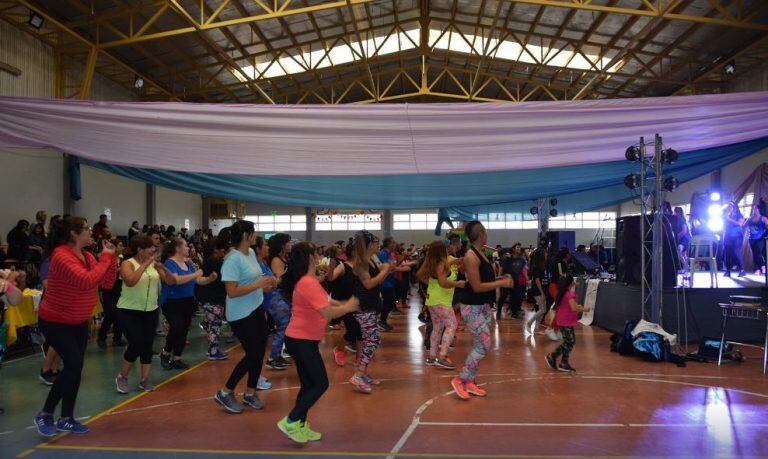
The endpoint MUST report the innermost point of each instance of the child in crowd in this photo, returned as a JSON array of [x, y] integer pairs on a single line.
[[566, 318]]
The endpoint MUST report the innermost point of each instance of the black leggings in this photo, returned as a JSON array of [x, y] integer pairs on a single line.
[[252, 333], [352, 331], [758, 252], [69, 341], [139, 327], [109, 303], [733, 253], [311, 369], [565, 349], [178, 313], [388, 296]]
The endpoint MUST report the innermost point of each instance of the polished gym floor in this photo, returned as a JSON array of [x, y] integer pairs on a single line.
[[613, 406]]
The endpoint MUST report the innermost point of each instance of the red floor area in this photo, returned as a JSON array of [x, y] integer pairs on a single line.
[[615, 406]]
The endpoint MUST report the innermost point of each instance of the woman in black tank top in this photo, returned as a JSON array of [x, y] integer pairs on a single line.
[[342, 279], [367, 288], [479, 292]]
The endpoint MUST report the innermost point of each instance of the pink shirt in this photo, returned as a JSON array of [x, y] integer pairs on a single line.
[[308, 298], [567, 317]]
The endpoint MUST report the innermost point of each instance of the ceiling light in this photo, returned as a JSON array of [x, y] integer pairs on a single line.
[[138, 82], [35, 20], [632, 153], [670, 183], [534, 210], [632, 181], [669, 156]]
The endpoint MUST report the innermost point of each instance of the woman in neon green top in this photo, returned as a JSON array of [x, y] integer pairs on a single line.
[[137, 309], [440, 274]]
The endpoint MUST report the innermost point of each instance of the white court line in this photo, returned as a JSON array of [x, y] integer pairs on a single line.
[[517, 424]]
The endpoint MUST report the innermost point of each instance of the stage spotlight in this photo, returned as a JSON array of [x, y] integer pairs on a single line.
[[632, 153], [715, 224], [553, 213], [670, 183], [669, 156], [714, 196], [553, 202], [35, 20], [730, 68], [534, 210], [138, 82], [715, 210], [632, 181]]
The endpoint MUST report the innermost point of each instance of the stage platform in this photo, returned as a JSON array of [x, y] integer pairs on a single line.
[[692, 308]]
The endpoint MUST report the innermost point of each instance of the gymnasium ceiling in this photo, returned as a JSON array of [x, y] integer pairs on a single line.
[[313, 51]]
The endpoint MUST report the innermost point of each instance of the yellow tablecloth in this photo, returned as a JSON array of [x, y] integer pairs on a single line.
[[24, 314]]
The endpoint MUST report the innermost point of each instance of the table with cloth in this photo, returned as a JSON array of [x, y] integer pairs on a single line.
[[24, 314]]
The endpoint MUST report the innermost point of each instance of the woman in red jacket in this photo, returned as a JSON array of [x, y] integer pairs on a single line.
[[73, 280]]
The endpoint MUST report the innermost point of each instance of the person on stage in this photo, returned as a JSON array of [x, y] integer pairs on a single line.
[[733, 238]]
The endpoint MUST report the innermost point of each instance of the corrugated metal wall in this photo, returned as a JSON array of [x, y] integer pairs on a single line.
[[33, 57]]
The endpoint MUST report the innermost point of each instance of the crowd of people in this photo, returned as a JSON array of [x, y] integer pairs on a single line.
[[157, 281]]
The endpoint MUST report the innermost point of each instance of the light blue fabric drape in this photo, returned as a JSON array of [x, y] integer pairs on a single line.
[[577, 188]]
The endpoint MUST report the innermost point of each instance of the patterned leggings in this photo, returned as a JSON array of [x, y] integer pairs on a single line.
[[369, 326], [478, 320], [565, 349], [214, 316], [443, 318], [280, 311]]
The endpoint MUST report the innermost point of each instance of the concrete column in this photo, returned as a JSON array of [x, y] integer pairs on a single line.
[[386, 223], [310, 224], [151, 204]]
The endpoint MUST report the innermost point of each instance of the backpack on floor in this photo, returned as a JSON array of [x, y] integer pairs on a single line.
[[652, 347], [622, 342]]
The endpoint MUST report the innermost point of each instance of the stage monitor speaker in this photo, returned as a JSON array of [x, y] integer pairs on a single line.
[[559, 239], [628, 247], [584, 264]]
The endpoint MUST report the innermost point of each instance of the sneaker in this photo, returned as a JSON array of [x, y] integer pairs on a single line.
[[474, 390], [360, 384], [458, 387], [275, 364], [102, 344], [727, 274], [445, 362], [47, 377], [350, 348], [742, 273], [119, 343], [551, 361], [263, 384], [165, 361], [566, 368], [45, 425], [286, 356], [146, 386], [429, 362], [339, 356], [218, 355], [311, 434], [178, 364], [253, 401], [121, 383], [229, 402], [370, 380], [293, 430], [71, 425]]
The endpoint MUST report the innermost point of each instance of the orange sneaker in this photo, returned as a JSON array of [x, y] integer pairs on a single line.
[[474, 390], [458, 387]]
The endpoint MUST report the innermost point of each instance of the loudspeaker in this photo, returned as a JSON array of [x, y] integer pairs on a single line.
[[584, 264], [559, 239], [628, 247]]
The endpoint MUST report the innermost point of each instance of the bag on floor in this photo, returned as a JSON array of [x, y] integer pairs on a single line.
[[652, 347], [623, 342]]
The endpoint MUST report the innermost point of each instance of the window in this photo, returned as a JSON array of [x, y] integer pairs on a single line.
[[278, 223], [584, 220], [745, 205], [421, 221], [347, 222]]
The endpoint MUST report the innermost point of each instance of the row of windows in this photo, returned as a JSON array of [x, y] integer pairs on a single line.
[[427, 221]]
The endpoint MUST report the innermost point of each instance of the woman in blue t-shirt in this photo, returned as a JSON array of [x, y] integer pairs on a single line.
[[245, 282], [178, 300], [756, 227]]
